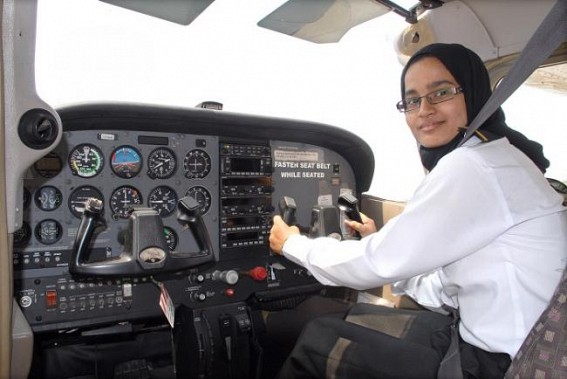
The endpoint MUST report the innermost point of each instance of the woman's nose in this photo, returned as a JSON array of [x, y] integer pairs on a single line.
[[425, 108]]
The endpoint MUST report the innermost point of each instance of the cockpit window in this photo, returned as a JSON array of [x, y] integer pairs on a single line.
[[92, 51], [537, 110]]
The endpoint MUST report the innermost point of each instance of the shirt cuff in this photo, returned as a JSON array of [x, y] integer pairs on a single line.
[[296, 247]]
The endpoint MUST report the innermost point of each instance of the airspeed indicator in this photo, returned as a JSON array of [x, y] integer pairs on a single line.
[[86, 160]]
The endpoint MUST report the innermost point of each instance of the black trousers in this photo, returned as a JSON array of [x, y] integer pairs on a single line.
[[380, 342]]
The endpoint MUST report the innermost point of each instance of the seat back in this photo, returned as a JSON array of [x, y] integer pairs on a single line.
[[544, 351]]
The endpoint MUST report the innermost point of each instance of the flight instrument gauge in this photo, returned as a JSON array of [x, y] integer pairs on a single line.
[[163, 199], [48, 232], [197, 164], [86, 160], [48, 198], [161, 163], [78, 198], [123, 199], [126, 162], [202, 196], [170, 238]]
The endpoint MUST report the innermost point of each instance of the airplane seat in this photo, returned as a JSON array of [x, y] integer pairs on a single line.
[[544, 351], [382, 210]]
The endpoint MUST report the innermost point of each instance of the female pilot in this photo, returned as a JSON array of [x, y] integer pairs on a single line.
[[484, 233]]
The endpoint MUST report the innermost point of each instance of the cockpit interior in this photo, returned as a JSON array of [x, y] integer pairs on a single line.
[[137, 234]]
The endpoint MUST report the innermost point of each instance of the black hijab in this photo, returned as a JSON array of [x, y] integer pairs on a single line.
[[471, 74]]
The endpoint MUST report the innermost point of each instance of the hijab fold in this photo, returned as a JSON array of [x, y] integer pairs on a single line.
[[471, 74]]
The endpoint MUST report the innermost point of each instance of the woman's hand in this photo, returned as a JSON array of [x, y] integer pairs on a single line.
[[279, 233], [367, 227]]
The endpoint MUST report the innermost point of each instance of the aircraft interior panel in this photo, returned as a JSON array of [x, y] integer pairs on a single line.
[[140, 163]]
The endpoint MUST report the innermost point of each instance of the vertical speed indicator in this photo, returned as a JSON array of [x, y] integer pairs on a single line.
[[202, 196]]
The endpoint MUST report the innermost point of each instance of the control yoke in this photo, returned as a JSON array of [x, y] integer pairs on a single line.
[[145, 249]]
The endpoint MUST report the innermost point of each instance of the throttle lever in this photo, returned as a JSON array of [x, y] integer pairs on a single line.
[[348, 203], [287, 209]]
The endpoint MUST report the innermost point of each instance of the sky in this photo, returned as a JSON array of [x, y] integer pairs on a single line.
[[91, 51]]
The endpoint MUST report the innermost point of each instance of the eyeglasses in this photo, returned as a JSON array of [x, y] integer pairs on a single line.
[[435, 97]]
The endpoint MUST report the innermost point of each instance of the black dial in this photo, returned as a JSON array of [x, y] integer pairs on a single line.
[[202, 196], [197, 164], [48, 198], [170, 238], [48, 232], [86, 161], [123, 199], [126, 162], [161, 163], [163, 199], [79, 196]]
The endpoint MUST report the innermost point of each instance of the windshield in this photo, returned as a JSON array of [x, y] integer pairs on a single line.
[[90, 51]]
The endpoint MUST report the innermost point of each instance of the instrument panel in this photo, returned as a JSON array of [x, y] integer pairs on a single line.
[[235, 167], [124, 170]]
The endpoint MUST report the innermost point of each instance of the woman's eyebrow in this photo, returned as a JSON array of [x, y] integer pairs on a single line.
[[438, 83], [431, 86]]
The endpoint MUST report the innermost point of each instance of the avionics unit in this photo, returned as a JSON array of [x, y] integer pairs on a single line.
[[246, 196]]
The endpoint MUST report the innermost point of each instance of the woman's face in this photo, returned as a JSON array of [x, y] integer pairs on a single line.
[[433, 125]]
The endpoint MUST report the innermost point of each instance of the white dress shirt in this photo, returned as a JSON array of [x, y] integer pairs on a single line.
[[484, 232]]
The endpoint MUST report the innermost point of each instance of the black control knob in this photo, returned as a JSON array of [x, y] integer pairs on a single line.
[[38, 129]]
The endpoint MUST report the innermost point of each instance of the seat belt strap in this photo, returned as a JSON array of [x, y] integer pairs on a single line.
[[450, 367], [550, 34]]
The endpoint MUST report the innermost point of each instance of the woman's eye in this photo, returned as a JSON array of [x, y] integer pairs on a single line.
[[413, 101], [442, 92]]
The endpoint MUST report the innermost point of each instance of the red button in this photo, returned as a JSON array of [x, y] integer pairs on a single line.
[[51, 298], [258, 273], [229, 292]]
